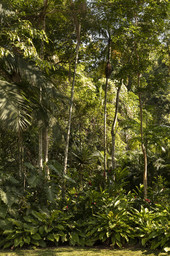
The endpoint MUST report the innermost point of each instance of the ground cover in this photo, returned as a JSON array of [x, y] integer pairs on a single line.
[[72, 251]]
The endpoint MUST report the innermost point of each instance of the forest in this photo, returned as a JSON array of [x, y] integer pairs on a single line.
[[84, 123]]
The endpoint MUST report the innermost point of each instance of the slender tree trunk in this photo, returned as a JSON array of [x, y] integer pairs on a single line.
[[105, 129], [69, 120], [113, 131], [145, 179], [21, 156], [78, 31], [46, 147], [43, 131], [108, 72], [71, 103], [40, 149]]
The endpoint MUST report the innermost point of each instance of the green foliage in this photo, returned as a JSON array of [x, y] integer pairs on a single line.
[[85, 219], [37, 228], [152, 226], [110, 225], [13, 109]]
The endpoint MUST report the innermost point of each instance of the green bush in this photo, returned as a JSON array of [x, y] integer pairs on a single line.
[[152, 227], [85, 219], [111, 224]]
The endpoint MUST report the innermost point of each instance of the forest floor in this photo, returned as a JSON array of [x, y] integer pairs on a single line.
[[76, 251]]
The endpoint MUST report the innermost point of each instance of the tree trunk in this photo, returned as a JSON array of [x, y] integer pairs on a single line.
[[113, 131], [46, 146], [105, 130], [40, 149], [145, 179], [78, 30], [108, 72], [43, 130]]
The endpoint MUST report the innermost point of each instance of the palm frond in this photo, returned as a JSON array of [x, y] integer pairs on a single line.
[[14, 109]]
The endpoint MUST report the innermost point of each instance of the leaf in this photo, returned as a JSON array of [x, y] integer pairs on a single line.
[[69, 179], [64, 238], [167, 249], [36, 236], [13, 108], [54, 169], [8, 244], [17, 241], [41, 230], [60, 227], [144, 240], [3, 211], [155, 245], [117, 203], [42, 244], [35, 242], [28, 219], [50, 237], [102, 235], [39, 216], [48, 229], [16, 222], [113, 240], [57, 237], [8, 231], [13, 180], [74, 238], [3, 196], [32, 230], [29, 165], [117, 236], [125, 236], [119, 244], [27, 240], [33, 181]]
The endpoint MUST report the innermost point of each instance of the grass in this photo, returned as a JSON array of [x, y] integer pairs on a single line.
[[73, 251]]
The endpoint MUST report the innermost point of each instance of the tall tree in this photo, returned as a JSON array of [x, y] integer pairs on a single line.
[[108, 71]]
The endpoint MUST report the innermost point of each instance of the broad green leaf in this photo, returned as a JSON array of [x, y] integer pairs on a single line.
[[57, 237], [50, 237], [17, 241], [36, 236], [60, 227], [117, 236], [27, 239], [3, 196]]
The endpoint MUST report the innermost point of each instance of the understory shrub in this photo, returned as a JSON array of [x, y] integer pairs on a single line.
[[152, 226], [86, 219]]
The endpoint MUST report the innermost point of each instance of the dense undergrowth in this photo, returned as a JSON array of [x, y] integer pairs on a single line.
[[91, 216]]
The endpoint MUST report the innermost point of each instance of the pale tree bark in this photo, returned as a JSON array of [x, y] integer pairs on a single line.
[[145, 174], [43, 130], [78, 29], [40, 149], [70, 111], [45, 151], [113, 131], [108, 72]]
